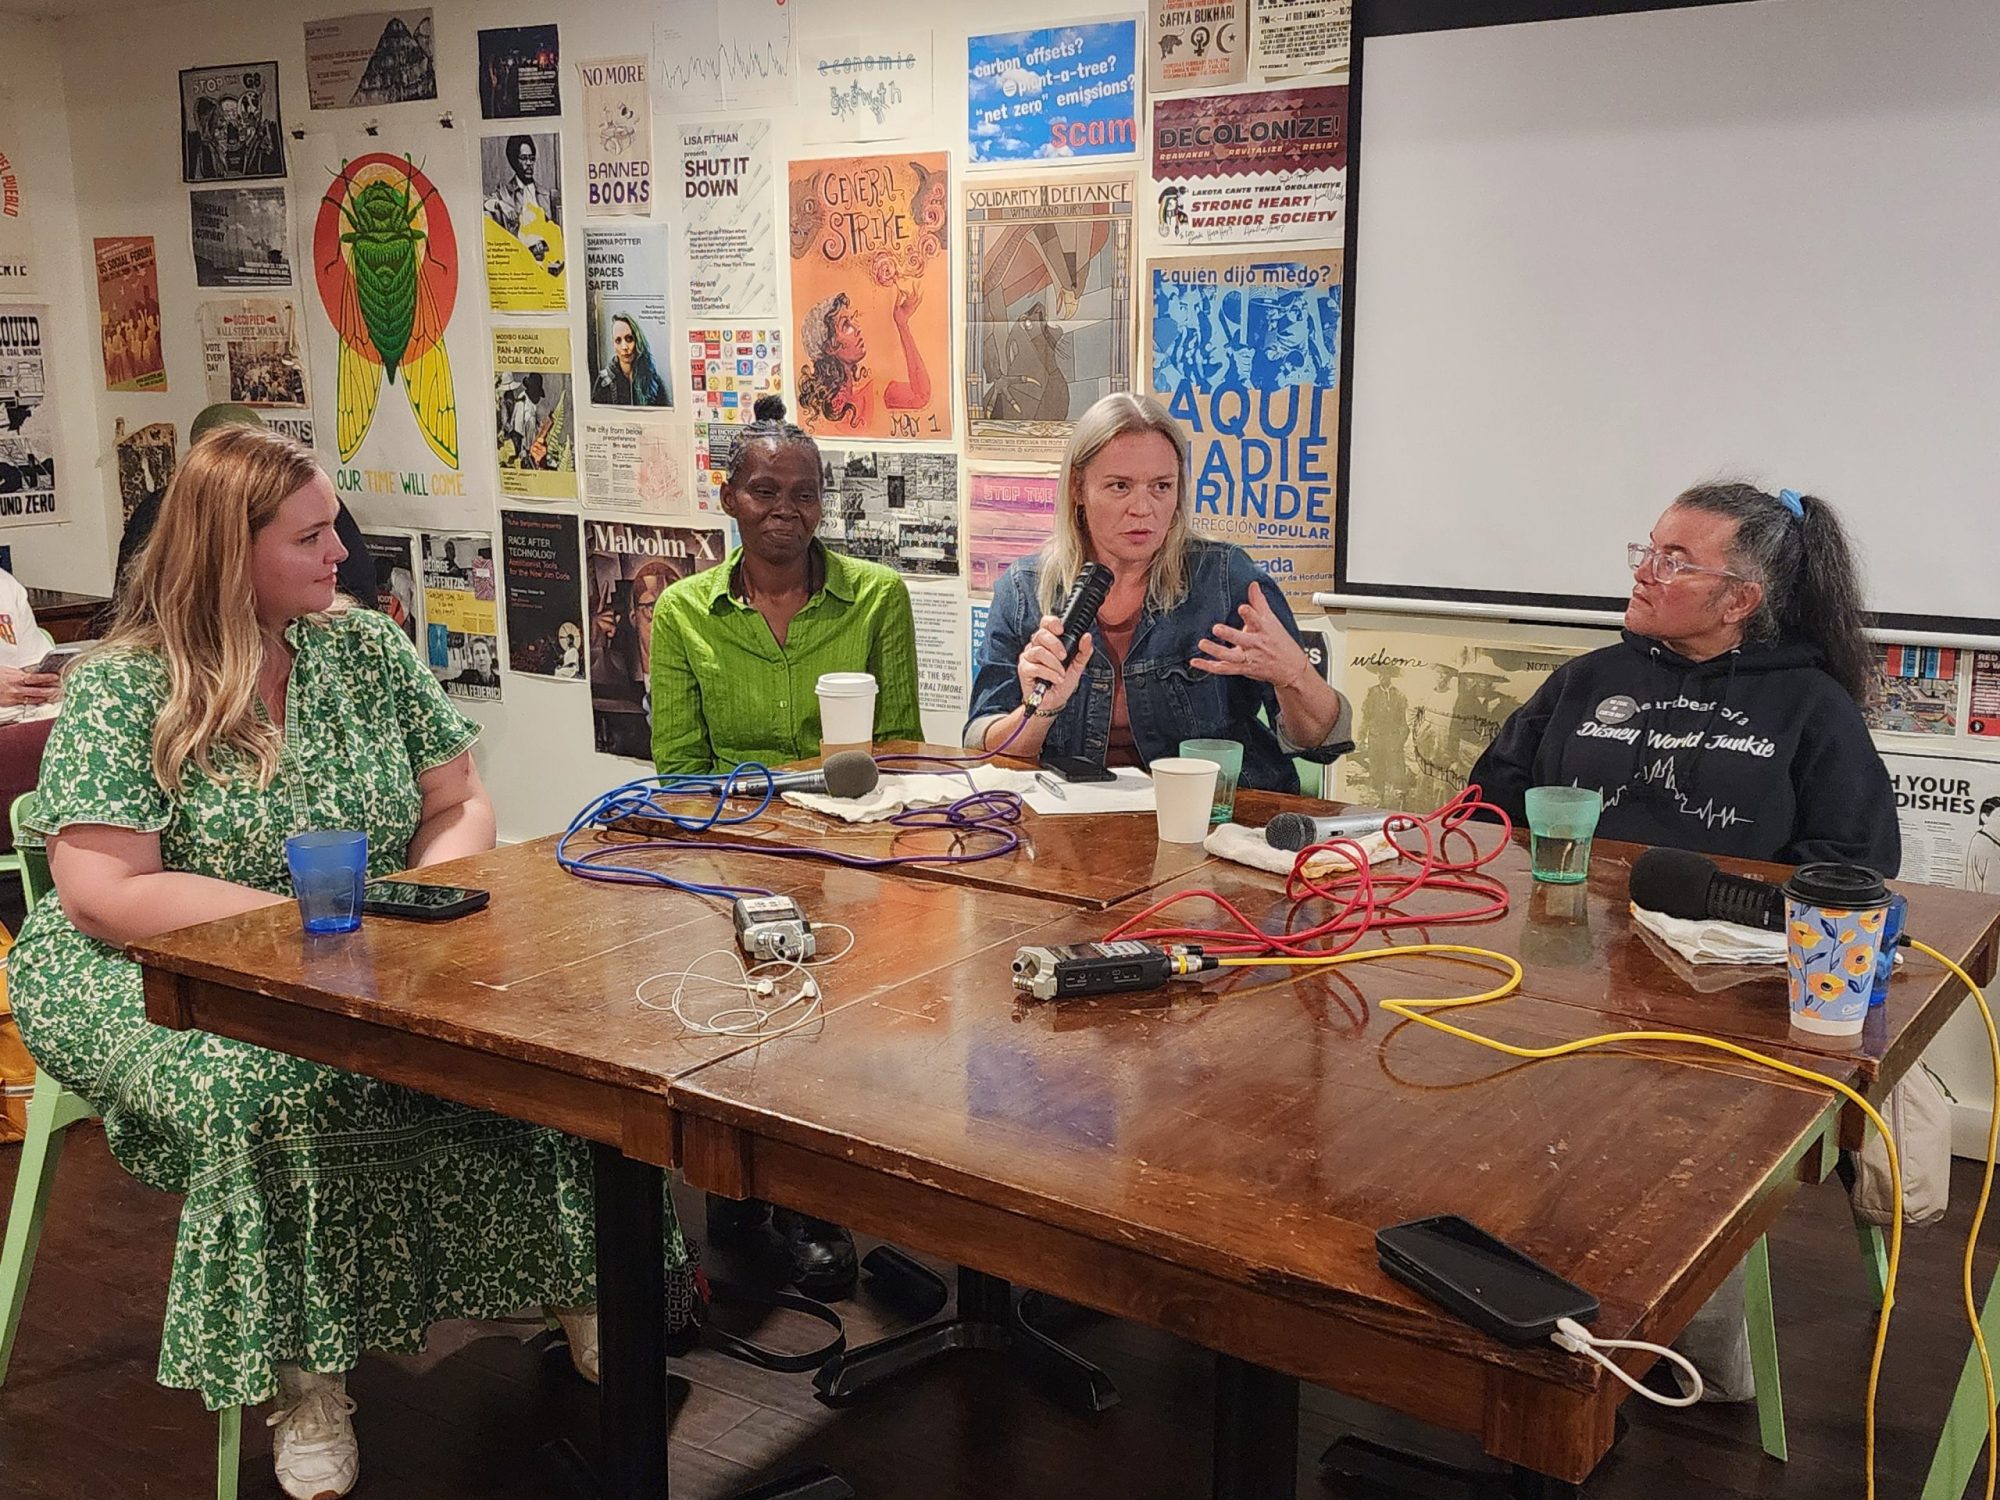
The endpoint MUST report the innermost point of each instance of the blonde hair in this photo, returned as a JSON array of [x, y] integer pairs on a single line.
[[1068, 549], [190, 600]]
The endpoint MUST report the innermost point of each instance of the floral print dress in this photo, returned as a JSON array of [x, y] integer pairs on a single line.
[[326, 1213]]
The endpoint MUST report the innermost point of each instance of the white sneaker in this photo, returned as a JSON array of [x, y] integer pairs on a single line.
[[579, 1326], [314, 1448]]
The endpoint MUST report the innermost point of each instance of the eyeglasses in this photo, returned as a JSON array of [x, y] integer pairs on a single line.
[[1667, 567]]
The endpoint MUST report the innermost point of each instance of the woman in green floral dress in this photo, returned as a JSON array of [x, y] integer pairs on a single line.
[[236, 703]]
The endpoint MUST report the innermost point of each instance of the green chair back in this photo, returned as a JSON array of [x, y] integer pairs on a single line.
[[32, 849]]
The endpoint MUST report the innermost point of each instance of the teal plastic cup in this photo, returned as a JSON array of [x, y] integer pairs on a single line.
[[1561, 822], [1228, 758], [329, 867]]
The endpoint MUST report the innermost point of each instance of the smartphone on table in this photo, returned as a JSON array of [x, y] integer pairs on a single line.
[[422, 903], [1076, 768], [1481, 1277]]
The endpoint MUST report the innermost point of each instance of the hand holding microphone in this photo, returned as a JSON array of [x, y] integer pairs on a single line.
[[1054, 660]]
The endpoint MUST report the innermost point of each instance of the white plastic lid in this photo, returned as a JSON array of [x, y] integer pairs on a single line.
[[846, 684]]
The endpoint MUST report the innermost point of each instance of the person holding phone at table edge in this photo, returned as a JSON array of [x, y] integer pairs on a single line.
[[1192, 641]]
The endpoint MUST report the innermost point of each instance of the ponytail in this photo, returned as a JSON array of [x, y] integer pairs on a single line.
[[1812, 588]]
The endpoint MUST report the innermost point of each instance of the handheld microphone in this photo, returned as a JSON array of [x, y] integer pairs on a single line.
[[1684, 884], [846, 774], [1295, 831], [1086, 597]]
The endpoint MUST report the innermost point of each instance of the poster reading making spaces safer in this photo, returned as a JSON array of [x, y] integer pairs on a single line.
[[1245, 352], [1048, 297]]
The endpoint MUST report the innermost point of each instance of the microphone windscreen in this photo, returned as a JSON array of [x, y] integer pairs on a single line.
[[850, 773], [1289, 830], [1674, 881]]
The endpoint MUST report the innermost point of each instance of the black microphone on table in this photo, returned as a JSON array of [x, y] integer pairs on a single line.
[[1295, 831], [1086, 597], [845, 774], [1682, 883]]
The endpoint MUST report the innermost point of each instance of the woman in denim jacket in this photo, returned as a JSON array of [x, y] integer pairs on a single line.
[[1192, 641]]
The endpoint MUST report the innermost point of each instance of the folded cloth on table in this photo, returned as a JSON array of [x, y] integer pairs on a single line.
[[1713, 942], [1248, 846], [904, 790]]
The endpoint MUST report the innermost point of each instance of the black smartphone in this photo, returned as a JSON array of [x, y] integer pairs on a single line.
[[1481, 1277], [1076, 768], [425, 903]]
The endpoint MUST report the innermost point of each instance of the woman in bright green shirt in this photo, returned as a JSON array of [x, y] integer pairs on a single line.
[[738, 649]]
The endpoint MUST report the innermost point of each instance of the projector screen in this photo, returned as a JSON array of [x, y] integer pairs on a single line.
[[1600, 260]]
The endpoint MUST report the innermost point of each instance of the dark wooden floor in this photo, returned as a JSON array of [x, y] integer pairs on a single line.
[[81, 1418]]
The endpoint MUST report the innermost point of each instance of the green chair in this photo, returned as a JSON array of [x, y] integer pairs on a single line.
[[52, 1109]]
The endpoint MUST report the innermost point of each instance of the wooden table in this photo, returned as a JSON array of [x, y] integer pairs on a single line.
[[65, 616], [527, 1008]]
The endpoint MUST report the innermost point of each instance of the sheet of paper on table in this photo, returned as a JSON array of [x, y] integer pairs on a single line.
[[1131, 791]]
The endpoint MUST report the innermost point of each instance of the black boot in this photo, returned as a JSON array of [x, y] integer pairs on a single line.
[[731, 1221], [822, 1254]]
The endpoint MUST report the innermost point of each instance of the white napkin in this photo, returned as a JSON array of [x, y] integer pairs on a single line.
[[1713, 942], [904, 790], [1248, 846]]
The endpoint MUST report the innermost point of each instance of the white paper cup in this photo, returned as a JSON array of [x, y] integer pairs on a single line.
[[846, 711], [1183, 791]]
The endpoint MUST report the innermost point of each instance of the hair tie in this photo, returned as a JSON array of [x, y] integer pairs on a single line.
[[1792, 502]]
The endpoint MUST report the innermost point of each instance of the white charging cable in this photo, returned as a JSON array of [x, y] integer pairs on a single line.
[[1574, 1337], [758, 984]]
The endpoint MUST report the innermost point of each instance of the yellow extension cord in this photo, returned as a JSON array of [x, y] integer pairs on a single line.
[[1415, 1010]]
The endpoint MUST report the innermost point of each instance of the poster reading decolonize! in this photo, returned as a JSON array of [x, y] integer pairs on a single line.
[[461, 615], [542, 563], [625, 283], [520, 72], [1048, 296], [1067, 91], [630, 566], [535, 412], [520, 178], [1250, 168], [729, 368], [231, 128], [1197, 44], [128, 312], [1245, 352], [723, 181], [241, 237], [892, 506], [1011, 515], [250, 350], [638, 464], [871, 295], [617, 136], [27, 419], [389, 57], [865, 88]]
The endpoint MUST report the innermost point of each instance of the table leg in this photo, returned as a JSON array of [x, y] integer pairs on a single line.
[[1964, 1432], [631, 1325], [1256, 1432]]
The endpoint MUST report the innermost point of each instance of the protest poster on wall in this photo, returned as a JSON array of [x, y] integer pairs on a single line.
[[27, 419], [16, 234], [1197, 44], [542, 564], [250, 351], [629, 567], [1053, 94], [857, 88], [1048, 292], [1251, 168], [1982, 715], [939, 617], [389, 57], [1918, 692], [1245, 352], [617, 136], [128, 313], [871, 295], [461, 615], [1290, 38], [241, 237], [534, 410], [1011, 516], [723, 181], [625, 294], [521, 178], [231, 127], [520, 72]]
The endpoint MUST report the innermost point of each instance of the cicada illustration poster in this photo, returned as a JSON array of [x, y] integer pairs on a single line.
[[871, 295], [385, 261]]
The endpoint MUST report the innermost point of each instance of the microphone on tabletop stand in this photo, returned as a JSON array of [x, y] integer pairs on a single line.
[[1086, 597], [1682, 883]]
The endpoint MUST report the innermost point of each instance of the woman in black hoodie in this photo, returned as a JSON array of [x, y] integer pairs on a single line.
[[1728, 720]]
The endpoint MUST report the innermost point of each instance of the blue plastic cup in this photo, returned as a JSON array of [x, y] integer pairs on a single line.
[[329, 867], [1885, 961]]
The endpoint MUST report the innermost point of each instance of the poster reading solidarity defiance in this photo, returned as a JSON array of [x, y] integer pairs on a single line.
[[1245, 352], [1048, 296], [871, 295], [128, 311], [1251, 168], [723, 180]]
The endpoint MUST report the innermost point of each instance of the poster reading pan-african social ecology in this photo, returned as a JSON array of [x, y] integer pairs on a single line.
[[871, 295], [1244, 350], [231, 129], [1062, 92], [1251, 168]]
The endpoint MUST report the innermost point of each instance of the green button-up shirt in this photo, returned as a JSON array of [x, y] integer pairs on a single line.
[[725, 691]]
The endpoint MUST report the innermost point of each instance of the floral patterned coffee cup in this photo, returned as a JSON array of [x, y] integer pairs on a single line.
[[1834, 919]]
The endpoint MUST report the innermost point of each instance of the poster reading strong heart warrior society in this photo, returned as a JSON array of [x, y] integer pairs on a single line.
[[1245, 352], [1251, 168]]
